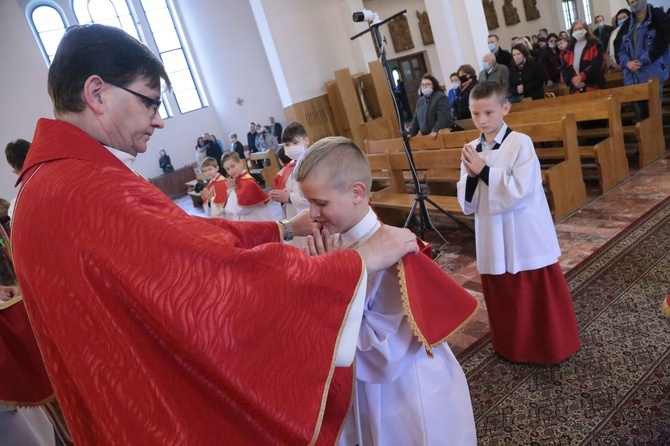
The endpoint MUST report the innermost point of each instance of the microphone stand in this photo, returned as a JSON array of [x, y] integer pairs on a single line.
[[421, 197]]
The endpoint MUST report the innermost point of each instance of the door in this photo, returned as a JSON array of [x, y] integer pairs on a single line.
[[411, 69]]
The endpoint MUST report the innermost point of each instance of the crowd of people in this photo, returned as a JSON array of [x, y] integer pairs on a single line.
[[634, 41]]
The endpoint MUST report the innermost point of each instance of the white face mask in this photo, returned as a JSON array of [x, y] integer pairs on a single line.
[[455, 85], [427, 91], [579, 34], [294, 152]]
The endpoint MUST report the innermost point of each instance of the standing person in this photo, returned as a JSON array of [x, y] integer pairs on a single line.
[[502, 57], [453, 92], [131, 336], [468, 79], [431, 113], [602, 31], [583, 61], [236, 146], [244, 200], [550, 62], [644, 51], [200, 152], [164, 162], [275, 128], [16, 152], [525, 79], [286, 189], [493, 71], [213, 150], [251, 138], [529, 305], [214, 194], [267, 140], [615, 44], [410, 390]]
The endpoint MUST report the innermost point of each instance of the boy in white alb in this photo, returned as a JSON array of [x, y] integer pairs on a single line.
[[403, 396], [530, 308], [286, 189], [246, 200]]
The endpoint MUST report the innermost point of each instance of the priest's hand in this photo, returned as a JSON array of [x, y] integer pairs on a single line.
[[303, 224], [386, 247], [320, 242]]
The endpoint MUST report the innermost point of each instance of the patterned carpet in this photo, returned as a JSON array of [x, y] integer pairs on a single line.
[[616, 389]]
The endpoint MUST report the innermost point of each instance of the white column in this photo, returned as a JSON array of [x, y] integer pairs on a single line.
[[460, 32]]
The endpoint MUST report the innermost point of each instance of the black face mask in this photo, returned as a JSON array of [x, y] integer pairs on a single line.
[[463, 78]]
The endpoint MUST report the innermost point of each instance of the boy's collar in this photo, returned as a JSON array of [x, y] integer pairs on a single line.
[[362, 230], [498, 138]]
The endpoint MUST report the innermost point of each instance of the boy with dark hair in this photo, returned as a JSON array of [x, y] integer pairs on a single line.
[[286, 189], [16, 152], [410, 390], [529, 305]]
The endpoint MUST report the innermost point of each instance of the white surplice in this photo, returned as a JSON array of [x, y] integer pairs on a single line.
[[402, 396]]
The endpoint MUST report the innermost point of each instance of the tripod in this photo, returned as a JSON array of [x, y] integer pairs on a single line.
[[425, 224]]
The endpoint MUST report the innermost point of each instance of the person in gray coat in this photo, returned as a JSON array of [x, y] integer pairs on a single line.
[[432, 109], [494, 71]]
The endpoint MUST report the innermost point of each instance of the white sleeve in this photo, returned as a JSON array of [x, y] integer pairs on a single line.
[[233, 207], [346, 350], [513, 188]]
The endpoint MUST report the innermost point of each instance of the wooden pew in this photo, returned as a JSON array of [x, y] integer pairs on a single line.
[[393, 203], [396, 145], [649, 132], [268, 172], [609, 154], [563, 182]]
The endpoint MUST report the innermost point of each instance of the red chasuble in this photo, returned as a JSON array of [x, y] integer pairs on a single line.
[[282, 176], [157, 327], [249, 193]]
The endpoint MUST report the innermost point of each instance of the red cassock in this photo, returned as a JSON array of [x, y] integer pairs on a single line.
[[220, 189], [157, 327], [248, 192], [282, 176]]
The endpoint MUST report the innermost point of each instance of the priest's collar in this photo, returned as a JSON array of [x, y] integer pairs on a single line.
[[125, 157], [362, 231]]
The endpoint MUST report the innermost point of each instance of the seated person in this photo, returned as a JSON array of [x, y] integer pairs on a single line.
[[245, 199]]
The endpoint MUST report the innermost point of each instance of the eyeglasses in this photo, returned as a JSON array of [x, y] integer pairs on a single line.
[[154, 104]]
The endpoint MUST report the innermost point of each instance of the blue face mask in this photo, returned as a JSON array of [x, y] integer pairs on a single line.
[[620, 22], [601, 25], [492, 46], [485, 66]]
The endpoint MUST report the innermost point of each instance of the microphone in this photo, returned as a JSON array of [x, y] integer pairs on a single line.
[[365, 16]]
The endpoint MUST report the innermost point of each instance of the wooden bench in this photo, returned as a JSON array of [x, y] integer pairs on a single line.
[[563, 182], [267, 172], [649, 132], [609, 154], [396, 145], [394, 202]]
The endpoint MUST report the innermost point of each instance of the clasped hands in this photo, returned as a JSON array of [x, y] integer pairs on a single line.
[[472, 161]]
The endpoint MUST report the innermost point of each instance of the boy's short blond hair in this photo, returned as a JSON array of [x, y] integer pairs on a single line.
[[231, 156], [210, 162], [339, 160]]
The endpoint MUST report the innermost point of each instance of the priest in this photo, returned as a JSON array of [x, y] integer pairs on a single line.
[[156, 326]]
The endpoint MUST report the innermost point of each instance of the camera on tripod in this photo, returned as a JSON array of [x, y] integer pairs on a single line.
[[365, 16]]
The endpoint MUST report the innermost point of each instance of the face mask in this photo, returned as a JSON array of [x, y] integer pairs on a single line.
[[492, 47], [463, 78], [486, 66], [294, 152], [601, 25], [579, 34], [455, 85], [638, 7], [427, 91], [519, 60], [552, 45], [620, 22]]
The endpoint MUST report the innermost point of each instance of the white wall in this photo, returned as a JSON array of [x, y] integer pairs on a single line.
[[228, 53], [387, 8]]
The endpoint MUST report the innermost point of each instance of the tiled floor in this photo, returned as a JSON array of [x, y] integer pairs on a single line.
[[579, 235]]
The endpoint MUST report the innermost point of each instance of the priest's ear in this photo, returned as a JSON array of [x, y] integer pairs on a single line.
[[93, 93]]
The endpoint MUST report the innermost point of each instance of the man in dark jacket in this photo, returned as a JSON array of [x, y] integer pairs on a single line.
[[251, 138], [603, 30], [502, 57], [275, 128]]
